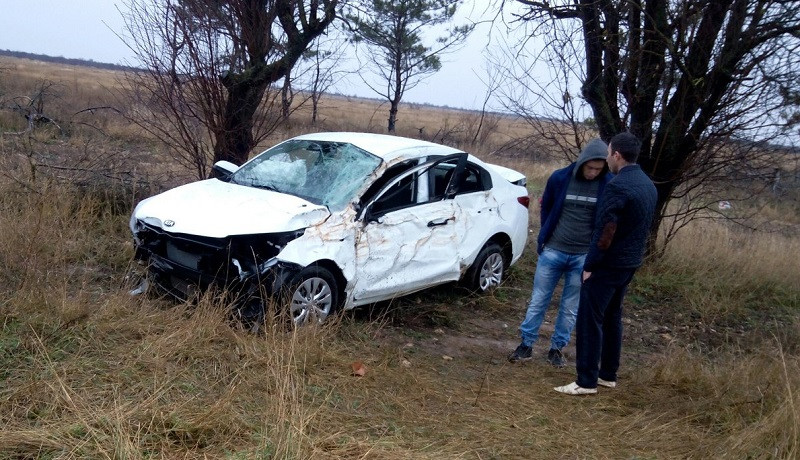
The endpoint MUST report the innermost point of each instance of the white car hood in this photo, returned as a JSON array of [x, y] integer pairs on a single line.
[[217, 209]]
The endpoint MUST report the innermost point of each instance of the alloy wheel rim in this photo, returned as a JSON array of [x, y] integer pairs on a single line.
[[313, 298], [491, 271]]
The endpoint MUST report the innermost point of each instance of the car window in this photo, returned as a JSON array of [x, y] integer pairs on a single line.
[[473, 179], [327, 173], [390, 173], [400, 195], [439, 177], [470, 181], [410, 183]]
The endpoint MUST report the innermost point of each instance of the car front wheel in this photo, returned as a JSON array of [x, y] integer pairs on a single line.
[[488, 270], [313, 295]]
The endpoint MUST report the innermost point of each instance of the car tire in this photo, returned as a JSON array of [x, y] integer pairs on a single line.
[[489, 269], [251, 312], [313, 295]]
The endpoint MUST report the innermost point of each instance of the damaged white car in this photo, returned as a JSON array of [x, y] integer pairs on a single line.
[[334, 221]]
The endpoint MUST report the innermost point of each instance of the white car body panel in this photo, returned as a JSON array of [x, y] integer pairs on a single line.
[[333, 240], [475, 209], [507, 173], [400, 253]]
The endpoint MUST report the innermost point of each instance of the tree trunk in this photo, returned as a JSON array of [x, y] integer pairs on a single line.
[[664, 191], [393, 116], [314, 103], [235, 140], [286, 96]]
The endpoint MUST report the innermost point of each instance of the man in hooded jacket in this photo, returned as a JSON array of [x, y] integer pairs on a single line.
[[567, 218], [624, 219]]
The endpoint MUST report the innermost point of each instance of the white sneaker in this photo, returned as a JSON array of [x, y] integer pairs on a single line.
[[575, 390], [606, 383]]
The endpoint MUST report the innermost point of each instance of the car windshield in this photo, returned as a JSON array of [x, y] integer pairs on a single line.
[[326, 173]]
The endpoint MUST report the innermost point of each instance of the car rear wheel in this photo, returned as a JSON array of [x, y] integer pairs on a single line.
[[313, 295], [488, 270]]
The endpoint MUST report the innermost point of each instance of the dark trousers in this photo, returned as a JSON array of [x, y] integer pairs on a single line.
[[598, 331]]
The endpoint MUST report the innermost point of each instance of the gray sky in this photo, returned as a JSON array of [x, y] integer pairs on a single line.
[[85, 29]]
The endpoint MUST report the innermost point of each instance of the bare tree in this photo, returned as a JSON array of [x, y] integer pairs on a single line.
[[539, 86], [32, 107], [313, 74], [324, 59], [683, 75], [791, 96], [393, 33], [208, 66]]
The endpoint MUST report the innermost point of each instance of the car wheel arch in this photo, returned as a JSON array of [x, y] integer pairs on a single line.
[[504, 241], [338, 275], [471, 278]]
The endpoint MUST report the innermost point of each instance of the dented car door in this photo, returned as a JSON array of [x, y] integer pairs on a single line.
[[408, 240]]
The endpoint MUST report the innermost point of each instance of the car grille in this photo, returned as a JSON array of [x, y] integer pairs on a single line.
[[177, 255], [208, 256]]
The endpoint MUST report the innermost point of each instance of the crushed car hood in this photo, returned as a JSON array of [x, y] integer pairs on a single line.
[[218, 209]]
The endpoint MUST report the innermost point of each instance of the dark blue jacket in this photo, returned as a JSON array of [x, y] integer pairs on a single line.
[[623, 219], [553, 199]]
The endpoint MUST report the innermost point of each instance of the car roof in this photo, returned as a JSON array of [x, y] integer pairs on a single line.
[[386, 147]]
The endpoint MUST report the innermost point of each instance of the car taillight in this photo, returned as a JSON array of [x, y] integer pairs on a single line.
[[524, 200]]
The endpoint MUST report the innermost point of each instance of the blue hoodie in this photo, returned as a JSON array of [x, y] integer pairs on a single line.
[[556, 189]]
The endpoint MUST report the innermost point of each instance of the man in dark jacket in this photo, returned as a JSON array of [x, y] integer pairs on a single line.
[[567, 217], [624, 217]]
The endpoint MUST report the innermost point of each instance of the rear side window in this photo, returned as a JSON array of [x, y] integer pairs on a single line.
[[473, 179]]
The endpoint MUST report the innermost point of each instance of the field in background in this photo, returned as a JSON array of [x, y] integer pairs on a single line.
[[711, 361]]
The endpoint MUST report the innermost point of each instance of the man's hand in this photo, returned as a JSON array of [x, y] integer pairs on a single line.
[[586, 275]]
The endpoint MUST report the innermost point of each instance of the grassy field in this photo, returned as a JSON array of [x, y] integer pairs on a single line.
[[711, 359]]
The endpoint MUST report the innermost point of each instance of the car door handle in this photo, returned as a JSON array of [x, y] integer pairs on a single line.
[[436, 223]]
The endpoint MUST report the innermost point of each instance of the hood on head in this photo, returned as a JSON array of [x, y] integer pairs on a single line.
[[596, 149]]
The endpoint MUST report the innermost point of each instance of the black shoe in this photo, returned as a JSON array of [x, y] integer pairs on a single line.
[[522, 353], [555, 358]]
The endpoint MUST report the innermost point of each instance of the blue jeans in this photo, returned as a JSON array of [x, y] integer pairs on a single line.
[[599, 334], [552, 265]]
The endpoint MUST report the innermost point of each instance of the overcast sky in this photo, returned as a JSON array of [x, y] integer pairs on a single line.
[[86, 29]]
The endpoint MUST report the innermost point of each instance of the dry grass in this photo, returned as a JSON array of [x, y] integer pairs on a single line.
[[746, 404], [760, 258], [90, 372], [725, 272], [87, 371]]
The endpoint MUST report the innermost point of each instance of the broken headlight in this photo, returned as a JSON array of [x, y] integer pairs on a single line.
[[248, 252]]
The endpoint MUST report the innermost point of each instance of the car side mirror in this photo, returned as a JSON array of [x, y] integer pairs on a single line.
[[224, 169]]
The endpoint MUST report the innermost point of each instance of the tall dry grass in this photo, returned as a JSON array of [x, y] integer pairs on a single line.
[[746, 404], [90, 372], [733, 293], [160, 382], [726, 270]]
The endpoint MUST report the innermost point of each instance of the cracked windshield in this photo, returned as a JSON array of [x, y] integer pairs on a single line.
[[326, 173]]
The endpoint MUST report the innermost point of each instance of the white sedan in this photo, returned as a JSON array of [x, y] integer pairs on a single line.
[[336, 220]]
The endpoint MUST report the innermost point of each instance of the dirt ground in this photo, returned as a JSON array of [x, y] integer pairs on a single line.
[[483, 331]]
